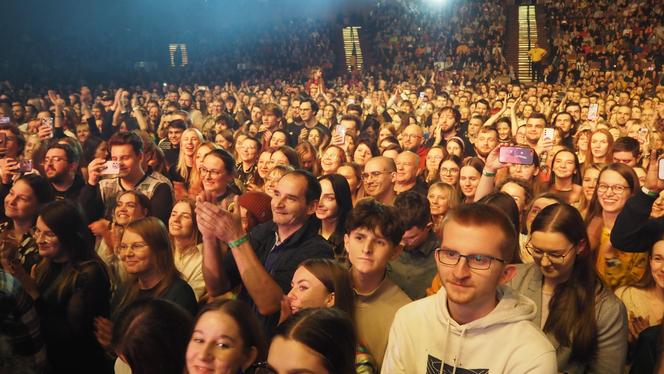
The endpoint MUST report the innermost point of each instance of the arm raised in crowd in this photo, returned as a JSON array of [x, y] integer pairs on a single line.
[[488, 178], [634, 231], [218, 223]]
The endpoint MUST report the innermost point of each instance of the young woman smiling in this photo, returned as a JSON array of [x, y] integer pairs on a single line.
[[565, 178]]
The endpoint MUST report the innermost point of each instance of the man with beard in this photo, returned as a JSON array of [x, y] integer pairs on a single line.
[[487, 140], [447, 127], [60, 168]]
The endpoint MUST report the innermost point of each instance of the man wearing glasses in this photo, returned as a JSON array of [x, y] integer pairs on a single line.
[[474, 322], [378, 179], [60, 168]]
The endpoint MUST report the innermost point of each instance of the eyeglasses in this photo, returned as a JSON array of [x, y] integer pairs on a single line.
[[54, 159], [554, 258], [213, 172], [449, 171], [134, 246], [48, 236], [374, 174], [451, 257], [616, 188]]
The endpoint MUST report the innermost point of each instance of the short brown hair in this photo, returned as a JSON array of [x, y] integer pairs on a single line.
[[477, 214]]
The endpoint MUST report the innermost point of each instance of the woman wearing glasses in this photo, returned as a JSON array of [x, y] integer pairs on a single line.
[[70, 286], [217, 174], [147, 255], [449, 171], [581, 317], [616, 183]]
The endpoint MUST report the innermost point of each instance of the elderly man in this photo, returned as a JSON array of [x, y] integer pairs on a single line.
[[407, 164]]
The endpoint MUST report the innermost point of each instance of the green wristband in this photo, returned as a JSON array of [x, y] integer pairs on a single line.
[[238, 242], [487, 174]]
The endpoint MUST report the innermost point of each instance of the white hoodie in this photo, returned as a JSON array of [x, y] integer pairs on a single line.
[[424, 339]]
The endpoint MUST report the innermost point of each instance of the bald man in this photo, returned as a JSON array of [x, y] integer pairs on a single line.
[[378, 179], [408, 170]]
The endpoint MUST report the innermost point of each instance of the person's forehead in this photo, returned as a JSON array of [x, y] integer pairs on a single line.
[[292, 185], [122, 149], [375, 164], [56, 152]]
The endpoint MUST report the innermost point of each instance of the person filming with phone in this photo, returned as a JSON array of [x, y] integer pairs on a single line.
[[123, 172]]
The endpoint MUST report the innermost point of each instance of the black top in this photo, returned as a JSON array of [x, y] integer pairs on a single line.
[[293, 130], [634, 231], [279, 260], [67, 319], [179, 293], [73, 193]]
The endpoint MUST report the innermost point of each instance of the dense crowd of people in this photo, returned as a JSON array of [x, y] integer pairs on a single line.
[[406, 219]]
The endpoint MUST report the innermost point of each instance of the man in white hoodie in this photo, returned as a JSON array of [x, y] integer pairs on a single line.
[[474, 324]]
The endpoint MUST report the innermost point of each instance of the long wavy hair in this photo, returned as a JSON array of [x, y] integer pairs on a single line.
[[155, 235], [66, 220]]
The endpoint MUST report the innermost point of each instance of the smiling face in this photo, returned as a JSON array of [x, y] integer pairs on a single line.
[[21, 202], [48, 243], [327, 204], [135, 254], [189, 141], [611, 200], [449, 172], [308, 292], [216, 346], [128, 209], [289, 206], [439, 201], [181, 221], [331, 159], [469, 178], [214, 175], [564, 165]]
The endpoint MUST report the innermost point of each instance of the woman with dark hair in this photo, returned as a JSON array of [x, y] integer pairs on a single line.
[[227, 338], [364, 150], [448, 171], [319, 340], [565, 179], [151, 336], [70, 286], [325, 283], [285, 155], [334, 205], [581, 317], [506, 204], [22, 203], [456, 147], [353, 174], [217, 174], [129, 206], [615, 185], [279, 138], [469, 177]]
